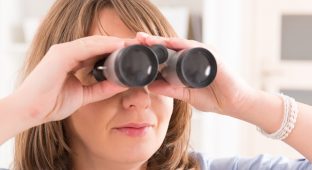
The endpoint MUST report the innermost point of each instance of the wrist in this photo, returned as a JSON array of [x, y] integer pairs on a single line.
[[290, 113], [14, 117], [264, 110], [24, 108]]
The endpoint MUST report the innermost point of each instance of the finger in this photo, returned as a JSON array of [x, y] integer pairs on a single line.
[[176, 43], [75, 52], [129, 42], [172, 43], [180, 43], [100, 91], [150, 40], [162, 87], [141, 37], [87, 63], [95, 45]]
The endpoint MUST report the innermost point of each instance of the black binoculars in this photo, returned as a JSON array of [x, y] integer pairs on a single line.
[[139, 65]]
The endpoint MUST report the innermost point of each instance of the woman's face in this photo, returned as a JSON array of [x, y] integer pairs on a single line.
[[126, 128]]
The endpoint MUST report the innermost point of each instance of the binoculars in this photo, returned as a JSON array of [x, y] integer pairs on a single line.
[[139, 65]]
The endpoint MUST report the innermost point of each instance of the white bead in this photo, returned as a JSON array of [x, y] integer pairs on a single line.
[[289, 119]]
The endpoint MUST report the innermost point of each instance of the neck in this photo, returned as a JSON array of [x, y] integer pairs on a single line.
[[84, 160]]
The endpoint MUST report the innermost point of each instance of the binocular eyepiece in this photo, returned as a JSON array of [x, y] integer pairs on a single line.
[[139, 65]]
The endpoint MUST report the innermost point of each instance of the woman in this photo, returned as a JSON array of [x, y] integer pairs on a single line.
[[77, 123]]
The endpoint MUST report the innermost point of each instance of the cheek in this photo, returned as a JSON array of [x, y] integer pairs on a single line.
[[89, 128], [89, 125], [163, 109]]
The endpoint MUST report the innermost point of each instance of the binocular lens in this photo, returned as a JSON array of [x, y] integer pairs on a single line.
[[196, 67], [133, 66], [136, 66]]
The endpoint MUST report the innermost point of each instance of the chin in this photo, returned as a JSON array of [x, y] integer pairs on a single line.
[[138, 153], [133, 149]]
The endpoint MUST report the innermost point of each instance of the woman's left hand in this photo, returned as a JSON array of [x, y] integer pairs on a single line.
[[227, 94]]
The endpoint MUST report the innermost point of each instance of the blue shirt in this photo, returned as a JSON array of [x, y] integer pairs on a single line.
[[261, 162]]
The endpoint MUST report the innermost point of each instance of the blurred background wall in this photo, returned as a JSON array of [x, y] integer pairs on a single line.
[[268, 43]]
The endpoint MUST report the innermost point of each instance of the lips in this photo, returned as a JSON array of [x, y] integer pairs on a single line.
[[134, 129]]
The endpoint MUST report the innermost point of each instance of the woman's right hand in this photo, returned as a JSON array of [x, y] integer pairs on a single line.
[[51, 92]]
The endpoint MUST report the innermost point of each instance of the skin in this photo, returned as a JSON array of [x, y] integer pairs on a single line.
[[106, 147], [228, 95], [42, 101]]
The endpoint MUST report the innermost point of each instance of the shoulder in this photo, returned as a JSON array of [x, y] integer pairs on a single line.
[[257, 162]]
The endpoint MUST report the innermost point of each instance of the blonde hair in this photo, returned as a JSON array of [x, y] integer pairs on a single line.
[[47, 146]]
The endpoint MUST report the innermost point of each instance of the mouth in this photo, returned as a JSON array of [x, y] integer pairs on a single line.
[[134, 129]]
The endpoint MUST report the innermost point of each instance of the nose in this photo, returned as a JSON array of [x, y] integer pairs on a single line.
[[136, 98]]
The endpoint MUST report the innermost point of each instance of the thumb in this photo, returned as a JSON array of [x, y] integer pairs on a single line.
[[162, 87], [100, 91]]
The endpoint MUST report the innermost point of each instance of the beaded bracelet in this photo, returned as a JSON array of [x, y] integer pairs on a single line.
[[289, 120]]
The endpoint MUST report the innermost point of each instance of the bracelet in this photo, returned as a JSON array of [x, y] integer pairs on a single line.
[[289, 120]]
